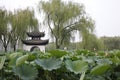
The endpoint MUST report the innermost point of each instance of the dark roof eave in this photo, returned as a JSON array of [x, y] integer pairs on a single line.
[[35, 42]]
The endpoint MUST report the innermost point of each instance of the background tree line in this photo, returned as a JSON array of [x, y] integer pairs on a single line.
[[14, 25], [102, 43], [63, 20], [111, 43]]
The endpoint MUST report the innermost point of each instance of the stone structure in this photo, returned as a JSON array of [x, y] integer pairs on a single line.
[[35, 41]]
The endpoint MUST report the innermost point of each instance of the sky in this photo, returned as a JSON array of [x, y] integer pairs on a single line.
[[105, 13]]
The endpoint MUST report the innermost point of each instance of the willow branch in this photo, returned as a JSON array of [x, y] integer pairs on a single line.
[[50, 26]]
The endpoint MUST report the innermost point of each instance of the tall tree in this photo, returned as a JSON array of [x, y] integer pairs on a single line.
[[4, 32], [64, 18], [22, 21]]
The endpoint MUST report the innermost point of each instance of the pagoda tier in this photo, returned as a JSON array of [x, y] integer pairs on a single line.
[[35, 42], [36, 34], [35, 38]]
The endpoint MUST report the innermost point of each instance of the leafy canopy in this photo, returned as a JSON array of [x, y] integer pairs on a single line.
[[64, 18]]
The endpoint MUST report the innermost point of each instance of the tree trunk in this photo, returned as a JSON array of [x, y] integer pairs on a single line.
[[57, 44], [14, 44], [5, 48], [14, 47]]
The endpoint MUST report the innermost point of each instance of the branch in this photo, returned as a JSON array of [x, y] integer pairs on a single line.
[[71, 24], [50, 26], [58, 25], [1, 40], [62, 40]]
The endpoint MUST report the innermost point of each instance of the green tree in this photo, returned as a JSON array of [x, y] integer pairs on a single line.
[[21, 22], [111, 43], [64, 18], [91, 42], [4, 28]]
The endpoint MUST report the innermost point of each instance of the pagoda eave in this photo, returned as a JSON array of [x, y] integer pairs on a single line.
[[35, 42]]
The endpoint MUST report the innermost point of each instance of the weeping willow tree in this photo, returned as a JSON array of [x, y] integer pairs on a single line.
[[63, 18], [13, 27], [21, 22], [4, 32]]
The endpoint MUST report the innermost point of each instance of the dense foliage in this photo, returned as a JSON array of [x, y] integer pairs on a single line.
[[64, 19], [60, 65], [111, 43], [14, 25]]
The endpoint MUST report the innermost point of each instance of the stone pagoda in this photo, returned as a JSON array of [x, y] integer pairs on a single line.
[[35, 41]]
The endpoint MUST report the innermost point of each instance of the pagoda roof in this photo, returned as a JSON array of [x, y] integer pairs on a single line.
[[35, 42], [36, 33]]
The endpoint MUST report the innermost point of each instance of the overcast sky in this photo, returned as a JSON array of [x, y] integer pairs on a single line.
[[106, 13]]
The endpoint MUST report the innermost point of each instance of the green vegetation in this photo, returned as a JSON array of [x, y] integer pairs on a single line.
[[64, 19], [60, 65], [21, 22], [4, 32], [111, 43], [89, 59], [13, 26]]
